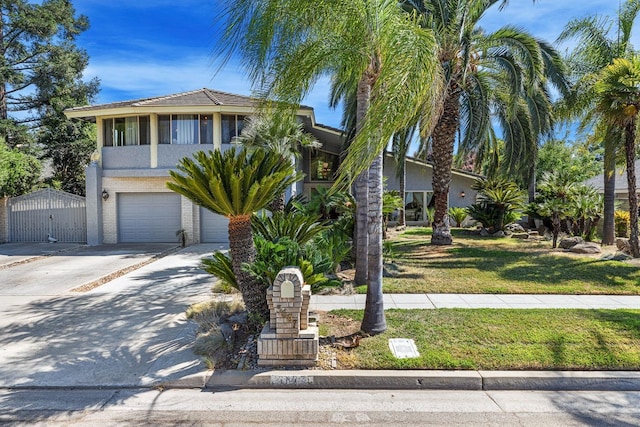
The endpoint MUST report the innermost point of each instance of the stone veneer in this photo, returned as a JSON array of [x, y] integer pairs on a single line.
[[288, 339]]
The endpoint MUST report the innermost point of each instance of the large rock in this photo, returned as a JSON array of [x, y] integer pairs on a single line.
[[522, 236], [586, 248], [622, 243], [499, 233], [515, 228], [569, 242]]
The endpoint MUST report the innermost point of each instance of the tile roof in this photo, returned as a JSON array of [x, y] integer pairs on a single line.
[[200, 97], [621, 179]]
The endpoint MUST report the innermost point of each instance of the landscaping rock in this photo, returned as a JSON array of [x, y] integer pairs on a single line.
[[586, 248], [498, 234], [533, 233], [618, 256], [569, 242], [522, 236], [484, 232], [622, 243], [515, 228]]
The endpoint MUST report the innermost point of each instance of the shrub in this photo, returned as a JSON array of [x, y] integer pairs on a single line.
[[499, 201], [458, 214], [220, 266], [621, 219]]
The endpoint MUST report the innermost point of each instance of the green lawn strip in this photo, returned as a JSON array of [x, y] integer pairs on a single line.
[[486, 265], [504, 339]]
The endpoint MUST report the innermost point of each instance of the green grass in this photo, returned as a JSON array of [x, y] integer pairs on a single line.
[[503, 339], [476, 264]]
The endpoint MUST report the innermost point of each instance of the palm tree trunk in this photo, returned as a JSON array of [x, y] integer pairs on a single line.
[[277, 205], [363, 97], [243, 251], [444, 135], [630, 151], [532, 194], [608, 221], [374, 321], [403, 182]]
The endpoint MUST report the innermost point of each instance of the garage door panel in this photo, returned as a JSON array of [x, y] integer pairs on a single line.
[[214, 228], [148, 217]]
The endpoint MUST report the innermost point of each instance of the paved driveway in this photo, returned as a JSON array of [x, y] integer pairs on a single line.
[[34, 270], [129, 332]]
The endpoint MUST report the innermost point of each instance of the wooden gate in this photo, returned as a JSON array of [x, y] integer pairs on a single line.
[[33, 217]]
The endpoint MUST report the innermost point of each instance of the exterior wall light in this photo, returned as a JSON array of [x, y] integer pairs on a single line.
[[462, 194], [105, 195]]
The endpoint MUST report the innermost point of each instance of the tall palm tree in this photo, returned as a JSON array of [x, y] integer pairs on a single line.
[[599, 40], [236, 184], [282, 134], [370, 46], [481, 71], [618, 103]]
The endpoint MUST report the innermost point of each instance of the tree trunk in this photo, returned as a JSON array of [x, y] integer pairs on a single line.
[[532, 195], [277, 205], [362, 192], [608, 221], [374, 321], [444, 135], [630, 151], [403, 182], [243, 251]]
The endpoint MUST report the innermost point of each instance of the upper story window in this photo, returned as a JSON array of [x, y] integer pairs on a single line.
[[121, 131], [323, 166], [185, 129], [232, 125]]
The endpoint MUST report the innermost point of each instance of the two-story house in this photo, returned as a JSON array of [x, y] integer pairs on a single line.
[[139, 141]]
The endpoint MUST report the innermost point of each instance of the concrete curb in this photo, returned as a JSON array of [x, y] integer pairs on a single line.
[[428, 380]]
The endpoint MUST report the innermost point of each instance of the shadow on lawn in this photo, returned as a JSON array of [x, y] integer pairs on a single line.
[[520, 266]]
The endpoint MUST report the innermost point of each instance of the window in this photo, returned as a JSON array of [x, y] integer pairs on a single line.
[[121, 131], [323, 166], [415, 203], [183, 129], [232, 126]]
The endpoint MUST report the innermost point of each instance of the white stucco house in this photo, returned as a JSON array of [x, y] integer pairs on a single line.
[[138, 142]]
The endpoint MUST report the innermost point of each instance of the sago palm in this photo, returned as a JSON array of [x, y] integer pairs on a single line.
[[369, 46], [598, 41], [236, 184], [617, 91]]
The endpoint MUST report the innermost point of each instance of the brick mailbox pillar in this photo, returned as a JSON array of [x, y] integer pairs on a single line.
[[288, 339]]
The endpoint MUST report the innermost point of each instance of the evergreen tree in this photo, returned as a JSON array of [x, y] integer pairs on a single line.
[[41, 76]]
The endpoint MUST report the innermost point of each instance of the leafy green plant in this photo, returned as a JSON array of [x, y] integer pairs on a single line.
[[621, 219], [458, 214], [431, 214], [220, 266], [388, 252], [498, 199], [334, 245], [297, 226]]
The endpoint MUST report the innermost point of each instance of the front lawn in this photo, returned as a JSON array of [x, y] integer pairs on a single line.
[[496, 339], [475, 264]]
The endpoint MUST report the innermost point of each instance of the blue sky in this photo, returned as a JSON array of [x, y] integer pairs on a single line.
[[142, 48]]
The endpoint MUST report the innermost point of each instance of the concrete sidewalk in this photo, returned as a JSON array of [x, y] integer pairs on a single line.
[[432, 301]]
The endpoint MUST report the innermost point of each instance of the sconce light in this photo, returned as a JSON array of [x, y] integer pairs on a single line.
[[105, 195], [462, 194]]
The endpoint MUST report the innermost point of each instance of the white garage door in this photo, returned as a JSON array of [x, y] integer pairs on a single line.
[[148, 217], [214, 228]]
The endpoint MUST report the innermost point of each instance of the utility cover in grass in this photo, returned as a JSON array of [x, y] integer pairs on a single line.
[[403, 348]]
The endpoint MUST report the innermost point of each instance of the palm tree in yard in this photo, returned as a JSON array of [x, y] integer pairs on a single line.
[[282, 134], [484, 74], [617, 91], [599, 40], [370, 46], [236, 184]]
